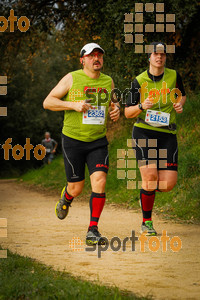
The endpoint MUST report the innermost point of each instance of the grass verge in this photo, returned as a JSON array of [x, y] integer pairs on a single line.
[[23, 278]]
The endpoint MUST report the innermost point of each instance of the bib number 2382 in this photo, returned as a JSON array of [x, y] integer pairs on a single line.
[[95, 115]]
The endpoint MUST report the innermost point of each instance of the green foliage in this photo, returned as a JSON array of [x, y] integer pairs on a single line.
[[34, 75], [23, 278], [36, 60], [121, 61], [48, 176]]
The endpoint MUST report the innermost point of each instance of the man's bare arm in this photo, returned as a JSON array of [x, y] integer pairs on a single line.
[[53, 100]]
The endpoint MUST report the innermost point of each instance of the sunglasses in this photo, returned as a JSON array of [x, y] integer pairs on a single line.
[[93, 55]]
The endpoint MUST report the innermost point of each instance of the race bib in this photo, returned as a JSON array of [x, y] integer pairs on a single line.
[[95, 115], [157, 118]]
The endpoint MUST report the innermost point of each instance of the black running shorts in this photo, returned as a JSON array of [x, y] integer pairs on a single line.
[[77, 153], [154, 147]]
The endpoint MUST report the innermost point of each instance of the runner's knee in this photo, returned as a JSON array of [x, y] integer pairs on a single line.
[[150, 177], [168, 187], [100, 181], [149, 181], [74, 189]]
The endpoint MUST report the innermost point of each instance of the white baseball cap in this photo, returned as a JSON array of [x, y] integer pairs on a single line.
[[88, 48]]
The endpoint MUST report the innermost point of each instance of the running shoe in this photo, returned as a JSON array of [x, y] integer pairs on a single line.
[[94, 237], [147, 227], [62, 206]]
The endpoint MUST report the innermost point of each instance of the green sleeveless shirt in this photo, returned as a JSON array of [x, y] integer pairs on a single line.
[[164, 104], [100, 90]]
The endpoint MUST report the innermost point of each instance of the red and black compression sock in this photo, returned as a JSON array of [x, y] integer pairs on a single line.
[[147, 201], [68, 197], [97, 202]]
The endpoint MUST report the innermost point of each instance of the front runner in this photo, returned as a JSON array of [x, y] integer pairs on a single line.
[[84, 133], [154, 133]]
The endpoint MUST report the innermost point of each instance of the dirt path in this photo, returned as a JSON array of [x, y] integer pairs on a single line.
[[34, 230]]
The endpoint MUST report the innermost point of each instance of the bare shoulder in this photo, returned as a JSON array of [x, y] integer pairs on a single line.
[[67, 81], [63, 86]]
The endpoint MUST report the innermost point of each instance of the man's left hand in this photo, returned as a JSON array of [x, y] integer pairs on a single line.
[[115, 112]]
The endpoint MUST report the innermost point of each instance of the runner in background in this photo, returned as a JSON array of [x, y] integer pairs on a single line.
[[50, 146], [87, 97], [153, 101]]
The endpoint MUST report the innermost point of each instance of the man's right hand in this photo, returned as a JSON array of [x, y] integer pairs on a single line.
[[148, 103], [81, 106]]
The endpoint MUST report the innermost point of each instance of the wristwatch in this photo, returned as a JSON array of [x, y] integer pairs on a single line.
[[140, 106]]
